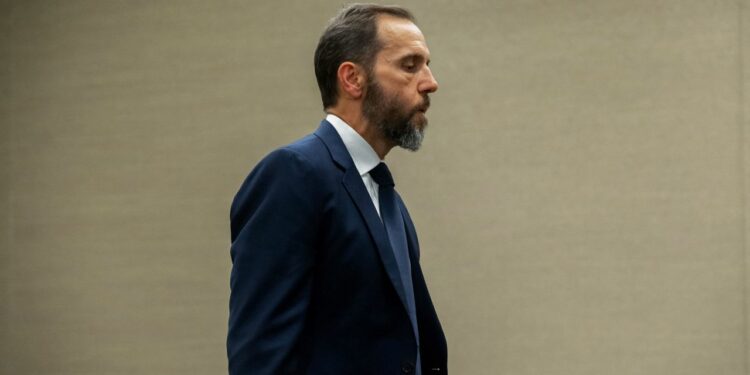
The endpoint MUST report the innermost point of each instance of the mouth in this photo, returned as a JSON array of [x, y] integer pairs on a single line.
[[425, 105]]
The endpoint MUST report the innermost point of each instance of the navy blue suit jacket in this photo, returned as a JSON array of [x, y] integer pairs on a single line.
[[315, 288]]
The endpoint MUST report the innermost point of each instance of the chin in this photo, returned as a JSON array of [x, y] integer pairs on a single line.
[[419, 121]]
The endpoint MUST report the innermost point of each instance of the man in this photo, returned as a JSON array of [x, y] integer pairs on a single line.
[[326, 276]]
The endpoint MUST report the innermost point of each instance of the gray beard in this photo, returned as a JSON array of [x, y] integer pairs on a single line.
[[393, 124], [405, 136]]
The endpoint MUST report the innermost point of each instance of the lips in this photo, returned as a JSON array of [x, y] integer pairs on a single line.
[[425, 105]]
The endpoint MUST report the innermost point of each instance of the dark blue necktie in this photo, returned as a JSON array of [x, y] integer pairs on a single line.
[[394, 226]]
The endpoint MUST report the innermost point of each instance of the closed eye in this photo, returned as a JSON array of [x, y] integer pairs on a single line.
[[410, 67], [412, 63]]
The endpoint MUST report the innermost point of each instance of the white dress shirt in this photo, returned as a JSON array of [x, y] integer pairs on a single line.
[[364, 157]]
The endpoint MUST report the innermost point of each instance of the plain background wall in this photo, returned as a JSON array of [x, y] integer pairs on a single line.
[[581, 197]]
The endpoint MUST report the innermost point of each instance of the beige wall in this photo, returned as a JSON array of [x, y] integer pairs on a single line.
[[581, 198], [744, 124]]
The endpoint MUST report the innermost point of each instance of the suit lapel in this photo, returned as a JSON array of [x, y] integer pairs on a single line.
[[352, 181], [411, 233], [430, 330]]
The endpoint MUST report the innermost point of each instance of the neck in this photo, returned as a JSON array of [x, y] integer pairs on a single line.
[[362, 126]]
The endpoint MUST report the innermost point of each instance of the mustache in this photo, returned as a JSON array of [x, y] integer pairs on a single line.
[[425, 104]]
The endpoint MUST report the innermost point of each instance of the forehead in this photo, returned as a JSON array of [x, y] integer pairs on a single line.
[[401, 36]]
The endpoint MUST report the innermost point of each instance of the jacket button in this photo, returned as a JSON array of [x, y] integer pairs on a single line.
[[407, 368]]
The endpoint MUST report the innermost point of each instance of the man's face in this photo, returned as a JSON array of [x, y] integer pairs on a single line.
[[396, 97]]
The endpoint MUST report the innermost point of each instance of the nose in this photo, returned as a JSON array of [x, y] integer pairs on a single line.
[[428, 84]]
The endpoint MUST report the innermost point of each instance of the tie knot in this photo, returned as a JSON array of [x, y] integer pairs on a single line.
[[382, 175]]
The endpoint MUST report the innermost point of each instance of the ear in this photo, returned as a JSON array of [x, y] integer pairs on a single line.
[[351, 79]]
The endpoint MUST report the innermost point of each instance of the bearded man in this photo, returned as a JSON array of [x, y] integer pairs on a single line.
[[325, 258]]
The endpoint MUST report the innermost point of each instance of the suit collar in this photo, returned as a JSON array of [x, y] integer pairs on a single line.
[[362, 153], [335, 145]]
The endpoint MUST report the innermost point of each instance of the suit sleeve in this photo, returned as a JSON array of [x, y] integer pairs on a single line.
[[273, 225]]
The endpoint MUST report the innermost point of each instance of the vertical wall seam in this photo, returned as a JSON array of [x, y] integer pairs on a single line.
[[8, 306], [743, 180]]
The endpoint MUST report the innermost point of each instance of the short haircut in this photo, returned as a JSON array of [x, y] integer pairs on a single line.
[[350, 36]]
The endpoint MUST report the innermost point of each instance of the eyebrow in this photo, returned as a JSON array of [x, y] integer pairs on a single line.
[[415, 56]]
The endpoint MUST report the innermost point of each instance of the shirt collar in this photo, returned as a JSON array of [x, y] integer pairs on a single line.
[[364, 157]]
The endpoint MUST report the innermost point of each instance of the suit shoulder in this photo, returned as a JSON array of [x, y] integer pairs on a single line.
[[301, 152], [289, 171], [309, 154], [302, 160], [309, 148]]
